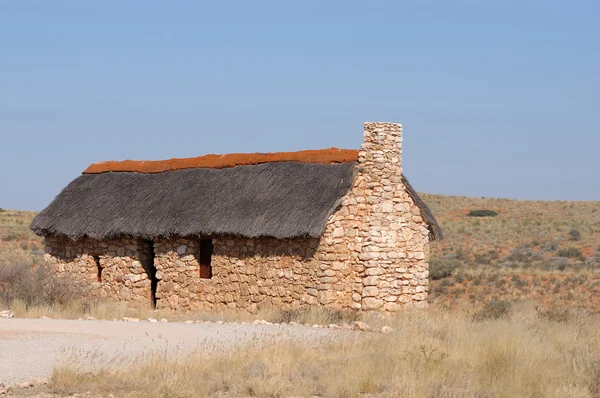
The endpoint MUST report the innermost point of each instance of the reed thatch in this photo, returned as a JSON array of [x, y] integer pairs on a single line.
[[280, 200], [435, 231]]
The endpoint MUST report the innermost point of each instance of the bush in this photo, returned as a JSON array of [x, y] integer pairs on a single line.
[[574, 235], [486, 258], [322, 316], [549, 247], [440, 268], [553, 314], [36, 286], [571, 252], [10, 237], [493, 310], [482, 213]]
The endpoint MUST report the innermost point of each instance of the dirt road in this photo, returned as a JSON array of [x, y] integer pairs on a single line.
[[30, 348]]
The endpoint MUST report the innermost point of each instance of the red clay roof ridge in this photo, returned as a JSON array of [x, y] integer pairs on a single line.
[[324, 156]]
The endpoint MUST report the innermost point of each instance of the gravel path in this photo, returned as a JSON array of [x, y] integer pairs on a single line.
[[30, 348]]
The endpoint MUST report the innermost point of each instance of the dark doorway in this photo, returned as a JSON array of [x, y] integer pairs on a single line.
[[205, 260], [98, 267], [150, 269]]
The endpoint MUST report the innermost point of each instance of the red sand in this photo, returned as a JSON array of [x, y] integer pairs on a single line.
[[331, 155]]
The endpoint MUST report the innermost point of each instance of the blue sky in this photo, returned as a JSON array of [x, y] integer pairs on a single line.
[[497, 99]]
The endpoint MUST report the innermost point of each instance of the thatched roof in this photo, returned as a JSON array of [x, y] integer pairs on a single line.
[[435, 231], [281, 199]]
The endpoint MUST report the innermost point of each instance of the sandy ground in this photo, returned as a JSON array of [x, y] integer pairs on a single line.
[[30, 348]]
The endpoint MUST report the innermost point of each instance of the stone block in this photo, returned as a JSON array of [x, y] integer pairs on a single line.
[[374, 271], [371, 280], [338, 232], [370, 291], [371, 303]]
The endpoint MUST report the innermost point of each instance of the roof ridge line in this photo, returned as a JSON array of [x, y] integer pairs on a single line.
[[213, 161]]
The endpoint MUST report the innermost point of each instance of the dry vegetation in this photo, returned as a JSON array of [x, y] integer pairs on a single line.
[[515, 301], [543, 250], [496, 352], [17, 242]]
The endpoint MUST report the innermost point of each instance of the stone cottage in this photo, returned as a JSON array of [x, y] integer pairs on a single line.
[[335, 228]]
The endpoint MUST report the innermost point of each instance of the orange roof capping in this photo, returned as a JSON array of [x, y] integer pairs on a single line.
[[331, 155]]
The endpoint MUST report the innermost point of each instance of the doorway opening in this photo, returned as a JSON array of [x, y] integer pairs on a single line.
[[98, 267], [150, 269]]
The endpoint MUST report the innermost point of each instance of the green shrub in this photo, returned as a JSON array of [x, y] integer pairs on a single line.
[[440, 268], [571, 252], [482, 213], [492, 310], [574, 235], [10, 237]]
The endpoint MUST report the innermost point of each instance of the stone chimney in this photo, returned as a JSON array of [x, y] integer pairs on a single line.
[[392, 271], [381, 150]]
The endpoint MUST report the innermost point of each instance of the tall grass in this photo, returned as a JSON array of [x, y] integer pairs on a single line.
[[429, 354]]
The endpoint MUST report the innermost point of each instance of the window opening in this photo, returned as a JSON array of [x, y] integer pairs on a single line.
[[206, 251]]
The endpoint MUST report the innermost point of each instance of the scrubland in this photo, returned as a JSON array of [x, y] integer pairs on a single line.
[[513, 312]]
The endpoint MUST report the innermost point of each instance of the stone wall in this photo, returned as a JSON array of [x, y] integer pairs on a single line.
[[246, 273], [372, 255], [250, 273], [123, 263]]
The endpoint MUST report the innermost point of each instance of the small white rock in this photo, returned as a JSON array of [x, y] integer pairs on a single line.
[[27, 384], [357, 325], [152, 320], [164, 320], [7, 314], [386, 330], [127, 319]]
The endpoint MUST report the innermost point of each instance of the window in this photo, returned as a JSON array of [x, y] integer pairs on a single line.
[[98, 267], [206, 251]]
